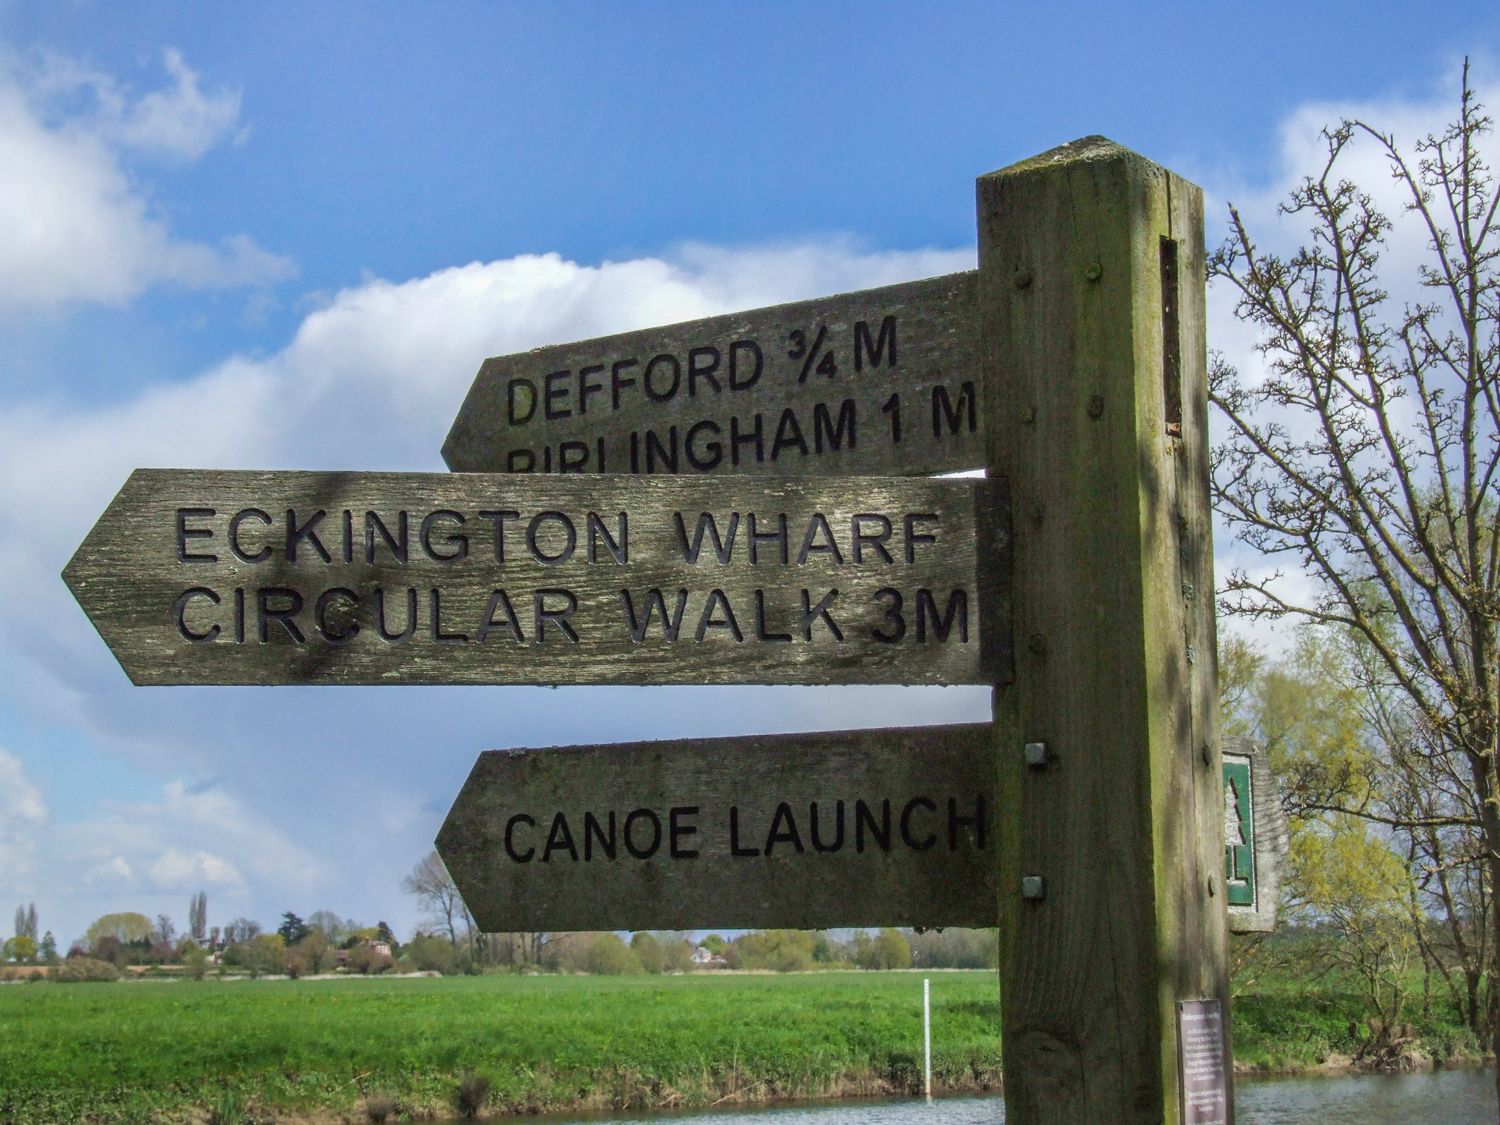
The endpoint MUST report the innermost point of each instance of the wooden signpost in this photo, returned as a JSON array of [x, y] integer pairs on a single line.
[[1071, 367], [362, 578], [884, 381], [857, 828]]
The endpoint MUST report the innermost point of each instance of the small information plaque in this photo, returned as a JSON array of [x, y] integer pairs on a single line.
[[1200, 1062]]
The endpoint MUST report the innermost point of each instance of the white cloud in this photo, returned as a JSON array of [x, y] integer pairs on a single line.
[[23, 813], [180, 120], [77, 226], [184, 841]]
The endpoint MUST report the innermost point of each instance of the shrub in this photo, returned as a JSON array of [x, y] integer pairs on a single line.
[[381, 1107], [364, 959], [609, 956], [78, 969], [472, 1093]]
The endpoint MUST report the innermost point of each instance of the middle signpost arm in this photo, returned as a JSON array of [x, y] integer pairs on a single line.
[[1091, 288]]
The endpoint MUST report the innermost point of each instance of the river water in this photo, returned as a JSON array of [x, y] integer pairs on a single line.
[[1445, 1097]]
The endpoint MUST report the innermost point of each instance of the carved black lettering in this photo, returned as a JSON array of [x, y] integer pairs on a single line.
[[810, 546], [587, 388], [436, 618], [783, 830], [788, 435], [912, 842], [838, 827], [499, 519], [892, 600], [704, 450], [534, 538], [397, 544], [454, 546], [955, 822], [237, 521], [671, 624], [739, 438], [284, 615], [946, 413], [572, 456], [499, 600], [520, 461], [637, 816], [739, 380], [556, 615], [672, 379], [717, 599], [761, 633], [880, 830], [618, 383], [618, 544], [666, 453], [913, 536], [554, 392], [875, 540], [811, 613], [184, 533], [777, 537], [520, 401], [942, 623], [702, 363], [336, 625], [723, 545], [410, 629], [307, 533], [735, 848], [873, 352], [828, 435], [891, 408], [593, 830], [559, 838], [179, 614], [678, 828], [510, 847]]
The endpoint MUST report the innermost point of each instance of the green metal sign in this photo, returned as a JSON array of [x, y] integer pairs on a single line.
[[1239, 831]]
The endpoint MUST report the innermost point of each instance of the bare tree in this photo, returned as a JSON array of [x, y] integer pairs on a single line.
[[198, 917], [430, 882], [1365, 454], [25, 922]]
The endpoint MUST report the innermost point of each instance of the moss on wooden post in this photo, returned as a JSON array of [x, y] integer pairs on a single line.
[[1091, 289]]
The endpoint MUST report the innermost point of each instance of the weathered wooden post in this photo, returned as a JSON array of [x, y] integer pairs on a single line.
[[1091, 269]]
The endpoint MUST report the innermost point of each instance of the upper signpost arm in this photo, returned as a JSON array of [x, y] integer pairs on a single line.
[[1091, 271]]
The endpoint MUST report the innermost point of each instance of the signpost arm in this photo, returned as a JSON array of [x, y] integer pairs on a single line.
[[1091, 268]]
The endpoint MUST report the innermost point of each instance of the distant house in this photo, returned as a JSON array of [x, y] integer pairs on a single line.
[[707, 959], [374, 945]]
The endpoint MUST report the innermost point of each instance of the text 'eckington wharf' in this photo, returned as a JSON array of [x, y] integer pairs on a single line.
[[367, 577]]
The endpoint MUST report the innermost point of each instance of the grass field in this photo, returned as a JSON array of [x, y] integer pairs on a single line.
[[139, 1051], [248, 1050]]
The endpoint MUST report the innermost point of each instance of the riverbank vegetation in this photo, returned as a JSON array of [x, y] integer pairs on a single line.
[[144, 1050]]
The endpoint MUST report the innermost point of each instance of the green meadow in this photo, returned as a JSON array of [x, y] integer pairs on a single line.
[[243, 1050], [325, 1050]]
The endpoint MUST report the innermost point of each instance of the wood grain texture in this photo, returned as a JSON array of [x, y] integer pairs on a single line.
[[1272, 839], [1096, 374], [883, 381], [214, 577], [855, 828]]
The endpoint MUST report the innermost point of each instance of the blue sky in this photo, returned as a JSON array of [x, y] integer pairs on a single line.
[[286, 236]]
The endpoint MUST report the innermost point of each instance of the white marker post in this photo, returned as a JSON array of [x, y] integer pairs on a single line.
[[927, 1037]]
